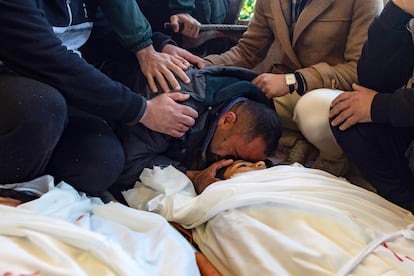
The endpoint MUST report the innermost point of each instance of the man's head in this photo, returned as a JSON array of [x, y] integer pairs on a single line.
[[248, 131]]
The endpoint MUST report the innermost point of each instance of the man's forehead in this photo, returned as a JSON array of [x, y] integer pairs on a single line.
[[253, 150]]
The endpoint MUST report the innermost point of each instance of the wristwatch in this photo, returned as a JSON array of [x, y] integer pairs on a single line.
[[290, 82]]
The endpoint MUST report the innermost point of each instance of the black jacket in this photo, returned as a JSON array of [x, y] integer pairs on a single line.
[[386, 65], [211, 88], [29, 46]]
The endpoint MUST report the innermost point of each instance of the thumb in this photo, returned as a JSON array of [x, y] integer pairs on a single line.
[[224, 163], [174, 23], [177, 96], [356, 86]]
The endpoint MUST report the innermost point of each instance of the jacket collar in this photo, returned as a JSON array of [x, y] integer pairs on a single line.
[[313, 10]]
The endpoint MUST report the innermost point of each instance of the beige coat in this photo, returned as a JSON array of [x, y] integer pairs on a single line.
[[326, 43]]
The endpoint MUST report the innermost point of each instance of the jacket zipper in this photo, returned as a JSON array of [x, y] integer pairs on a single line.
[[69, 12]]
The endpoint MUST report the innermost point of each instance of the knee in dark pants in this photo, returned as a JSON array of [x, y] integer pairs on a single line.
[[32, 118], [31, 106], [378, 151], [88, 156]]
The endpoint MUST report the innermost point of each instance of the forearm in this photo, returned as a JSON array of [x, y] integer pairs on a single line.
[[252, 48], [40, 55], [383, 108], [181, 6], [129, 23]]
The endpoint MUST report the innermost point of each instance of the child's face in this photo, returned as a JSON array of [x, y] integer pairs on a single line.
[[243, 166]]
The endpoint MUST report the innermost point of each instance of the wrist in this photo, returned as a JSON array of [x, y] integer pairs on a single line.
[[290, 80], [192, 175], [145, 52]]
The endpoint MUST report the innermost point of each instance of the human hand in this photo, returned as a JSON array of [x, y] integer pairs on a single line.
[[165, 115], [353, 107], [406, 5], [9, 201], [162, 67], [202, 179], [185, 56], [191, 25], [273, 85]]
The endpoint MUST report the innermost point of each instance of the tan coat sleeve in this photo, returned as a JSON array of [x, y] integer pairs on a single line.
[[252, 47]]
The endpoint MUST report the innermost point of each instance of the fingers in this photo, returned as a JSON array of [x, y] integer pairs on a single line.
[[223, 163], [178, 97], [180, 73], [165, 77], [256, 80], [357, 87], [152, 85], [162, 79], [182, 63], [342, 119], [185, 110], [199, 62], [163, 114], [191, 29], [178, 132], [168, 77], [342, 112], [174, 24], [191, 25], [261, 83], [340, 98], [216, 166]]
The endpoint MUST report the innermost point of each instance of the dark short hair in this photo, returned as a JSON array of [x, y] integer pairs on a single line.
[[260, 120]]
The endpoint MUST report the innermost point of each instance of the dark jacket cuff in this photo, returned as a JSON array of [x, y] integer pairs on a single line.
[[379, 108], [301, 83], [160, 40]]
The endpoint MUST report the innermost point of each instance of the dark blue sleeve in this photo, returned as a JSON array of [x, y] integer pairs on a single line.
[[29, 47]]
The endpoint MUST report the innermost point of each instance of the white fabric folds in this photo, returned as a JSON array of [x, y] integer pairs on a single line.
[[66, 233], [285, 220]]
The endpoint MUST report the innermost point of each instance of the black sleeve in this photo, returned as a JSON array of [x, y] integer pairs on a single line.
[[396, 109], [30, 47], [386, 65], [160, 40], [387, 58], [144, 148]]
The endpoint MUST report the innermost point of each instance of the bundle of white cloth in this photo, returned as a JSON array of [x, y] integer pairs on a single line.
[[66, 233], [284, 220]]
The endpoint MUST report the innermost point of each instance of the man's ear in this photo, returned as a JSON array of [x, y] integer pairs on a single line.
[[228, 119]]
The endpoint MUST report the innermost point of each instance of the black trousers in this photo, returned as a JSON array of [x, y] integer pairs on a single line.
[[40, 134], [378, 151]]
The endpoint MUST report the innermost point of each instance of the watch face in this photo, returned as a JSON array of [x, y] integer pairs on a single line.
[[290, 79]]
